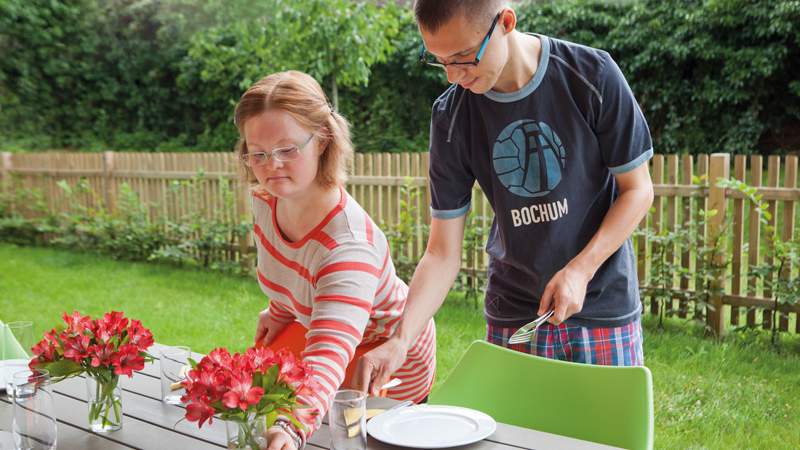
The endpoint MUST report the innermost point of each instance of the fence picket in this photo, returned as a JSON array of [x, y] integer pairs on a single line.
[[656, 224], [789, 181], [773, 174], [687, 169], [672, 215], [739, 172]]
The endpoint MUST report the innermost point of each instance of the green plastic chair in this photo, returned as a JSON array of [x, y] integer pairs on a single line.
[[10, 348], [608, 405]]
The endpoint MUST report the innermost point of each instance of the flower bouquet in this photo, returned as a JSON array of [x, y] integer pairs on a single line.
[[250, 391], [102, 349]]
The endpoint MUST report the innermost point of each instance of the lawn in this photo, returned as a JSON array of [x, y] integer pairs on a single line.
[[738, 393]]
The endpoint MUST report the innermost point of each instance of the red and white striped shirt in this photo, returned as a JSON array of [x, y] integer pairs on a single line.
[[340, 283]]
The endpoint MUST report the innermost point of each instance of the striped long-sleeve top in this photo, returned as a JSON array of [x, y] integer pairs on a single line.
[[340, 283]]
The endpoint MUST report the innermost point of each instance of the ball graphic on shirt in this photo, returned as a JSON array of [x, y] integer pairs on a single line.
[[528, 158]]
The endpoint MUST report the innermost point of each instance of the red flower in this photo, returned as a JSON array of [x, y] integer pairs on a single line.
[[306, 388], [140, 336], [260, 359], [292, 371], [76, 324], [220, 357], [224, 383], [242, 393], [211, 382], [127, 360], [199, 411], [76, 348], [112, 324], [102, 355], [46, 349], [306, 415]]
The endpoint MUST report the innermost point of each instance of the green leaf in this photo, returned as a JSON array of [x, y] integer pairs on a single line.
[[62, 368], [269, 378]]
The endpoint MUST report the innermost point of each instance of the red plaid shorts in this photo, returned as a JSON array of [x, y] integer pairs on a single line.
[[615, 346]]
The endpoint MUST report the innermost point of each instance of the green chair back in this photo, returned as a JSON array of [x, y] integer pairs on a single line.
[[608, 405]]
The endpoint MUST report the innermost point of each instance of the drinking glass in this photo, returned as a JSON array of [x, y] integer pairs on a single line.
[[34, 421], [174, 363], [348, 420]]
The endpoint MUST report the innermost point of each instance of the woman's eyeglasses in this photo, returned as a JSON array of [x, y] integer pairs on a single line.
[[283, 154]]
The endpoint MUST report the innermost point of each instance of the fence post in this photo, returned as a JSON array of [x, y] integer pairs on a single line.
[[108, 170], [719, 168], [5, 177]]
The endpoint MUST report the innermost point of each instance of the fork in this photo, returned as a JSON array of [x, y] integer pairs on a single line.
[[526, 331]]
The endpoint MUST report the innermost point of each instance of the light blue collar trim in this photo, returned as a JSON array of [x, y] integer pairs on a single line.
[[508, 97]]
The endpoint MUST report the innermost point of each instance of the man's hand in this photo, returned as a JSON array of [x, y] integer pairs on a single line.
[[375, 367], [564, 293]]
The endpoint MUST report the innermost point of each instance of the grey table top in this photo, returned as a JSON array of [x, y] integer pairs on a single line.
[[150, 424]]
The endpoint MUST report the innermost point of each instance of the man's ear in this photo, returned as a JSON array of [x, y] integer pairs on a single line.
[[508, 20]]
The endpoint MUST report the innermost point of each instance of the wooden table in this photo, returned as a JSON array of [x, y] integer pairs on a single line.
[[150, 424]]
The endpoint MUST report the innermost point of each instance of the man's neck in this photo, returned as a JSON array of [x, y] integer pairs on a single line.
[[524, 51]]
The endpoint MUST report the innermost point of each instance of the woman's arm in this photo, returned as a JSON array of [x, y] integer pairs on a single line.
[[346, 281]]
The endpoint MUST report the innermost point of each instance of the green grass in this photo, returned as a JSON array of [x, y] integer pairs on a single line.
[[738, 393]]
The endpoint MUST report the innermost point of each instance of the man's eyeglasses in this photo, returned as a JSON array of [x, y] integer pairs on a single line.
[[428, 58], [253, 159]]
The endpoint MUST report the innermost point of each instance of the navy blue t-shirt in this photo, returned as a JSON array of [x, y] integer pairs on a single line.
[[545, 157]]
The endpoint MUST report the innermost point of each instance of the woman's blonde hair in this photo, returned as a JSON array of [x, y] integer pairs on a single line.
[[302, 97]]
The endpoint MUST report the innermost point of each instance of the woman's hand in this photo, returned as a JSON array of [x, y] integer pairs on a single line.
[[279, 439], [267, 328]]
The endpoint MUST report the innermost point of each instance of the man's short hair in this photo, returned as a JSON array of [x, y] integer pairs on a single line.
[[432, 14]]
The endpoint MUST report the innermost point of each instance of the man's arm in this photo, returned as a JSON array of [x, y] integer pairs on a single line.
[[432, 280], [567, 289]]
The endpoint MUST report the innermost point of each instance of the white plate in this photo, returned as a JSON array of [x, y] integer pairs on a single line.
[[8, 368], [431, 426]]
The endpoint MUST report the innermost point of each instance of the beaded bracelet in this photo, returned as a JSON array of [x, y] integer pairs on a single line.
[[287, 427]]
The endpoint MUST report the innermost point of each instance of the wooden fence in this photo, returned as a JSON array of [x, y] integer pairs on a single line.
[[173, 185]]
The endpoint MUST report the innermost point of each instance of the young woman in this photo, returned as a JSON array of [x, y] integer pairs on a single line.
[[321, 259]]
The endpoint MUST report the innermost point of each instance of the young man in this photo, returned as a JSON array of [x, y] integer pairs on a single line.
[[553, 135]]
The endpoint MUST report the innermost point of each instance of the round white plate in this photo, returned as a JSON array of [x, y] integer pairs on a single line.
[[8, 368], [431, 426]]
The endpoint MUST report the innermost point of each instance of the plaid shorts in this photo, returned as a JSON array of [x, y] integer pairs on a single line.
[[618, 346]]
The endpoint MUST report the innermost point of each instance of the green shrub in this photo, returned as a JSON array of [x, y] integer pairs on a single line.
[[164, 75], [128, 233]]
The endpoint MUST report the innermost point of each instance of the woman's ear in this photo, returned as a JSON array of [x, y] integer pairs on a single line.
[[323, 139]]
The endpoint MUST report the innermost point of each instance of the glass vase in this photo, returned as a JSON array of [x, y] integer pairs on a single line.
[[104, 396], [249, 433]]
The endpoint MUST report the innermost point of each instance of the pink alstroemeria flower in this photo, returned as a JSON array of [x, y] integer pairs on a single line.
[[242, 393]]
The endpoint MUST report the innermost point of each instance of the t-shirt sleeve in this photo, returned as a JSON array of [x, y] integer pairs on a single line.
[[451, 178], [622, 130]]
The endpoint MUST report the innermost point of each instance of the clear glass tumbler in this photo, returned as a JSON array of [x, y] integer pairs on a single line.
[[174, 363], [34, 420], [348, 420]]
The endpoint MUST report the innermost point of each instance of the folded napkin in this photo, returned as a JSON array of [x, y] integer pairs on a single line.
[[9, 346], [352, 417]]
